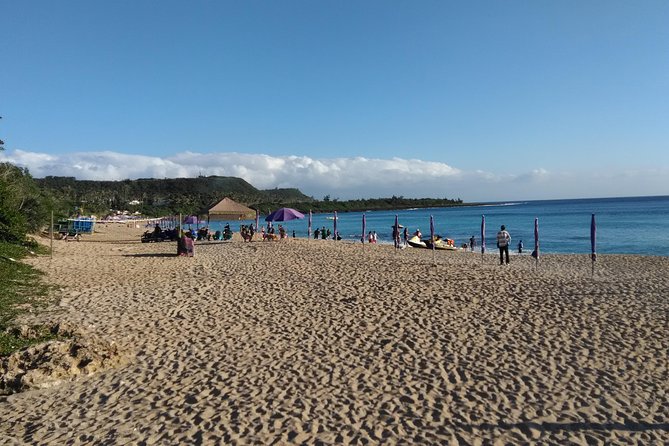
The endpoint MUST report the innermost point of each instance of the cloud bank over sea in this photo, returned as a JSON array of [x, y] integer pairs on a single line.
[[346, 178]]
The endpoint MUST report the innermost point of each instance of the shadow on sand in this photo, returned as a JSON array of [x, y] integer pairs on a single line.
[[574, 426], [159, 254]]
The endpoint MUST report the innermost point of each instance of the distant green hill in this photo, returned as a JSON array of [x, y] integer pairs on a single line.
[[170, 196], [158, 197]]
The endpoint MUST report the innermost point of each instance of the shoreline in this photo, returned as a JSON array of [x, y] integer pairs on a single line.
[[306, 341]]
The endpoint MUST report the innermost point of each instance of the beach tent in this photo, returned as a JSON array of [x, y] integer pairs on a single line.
[[228, 209]]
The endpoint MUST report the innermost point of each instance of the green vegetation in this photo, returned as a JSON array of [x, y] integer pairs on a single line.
[[157, 198], [21, 290], [23, 209], [368, 204]]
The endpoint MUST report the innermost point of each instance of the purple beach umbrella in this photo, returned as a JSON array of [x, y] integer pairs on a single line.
[[191, 220], [284, 214]]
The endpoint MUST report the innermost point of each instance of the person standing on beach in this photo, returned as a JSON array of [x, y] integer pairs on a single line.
[[406, 236], [503, 240], [396, 236], [472, 242], [520, 247]]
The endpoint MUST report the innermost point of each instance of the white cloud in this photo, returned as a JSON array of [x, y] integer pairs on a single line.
[[345, 178]]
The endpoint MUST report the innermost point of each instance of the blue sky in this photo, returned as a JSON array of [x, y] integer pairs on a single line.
[[484, 100]]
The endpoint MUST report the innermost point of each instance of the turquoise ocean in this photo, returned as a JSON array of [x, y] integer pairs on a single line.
[[632, 225]]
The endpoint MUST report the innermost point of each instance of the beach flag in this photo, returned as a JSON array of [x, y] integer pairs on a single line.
[[257, 220], [536, 241], [396, 233], [364, 228], [309, 225], [482, 234], [593, 242], [432, 235], [335, 226]]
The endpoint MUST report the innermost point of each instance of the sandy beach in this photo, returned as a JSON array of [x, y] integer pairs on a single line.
[[322, 342]]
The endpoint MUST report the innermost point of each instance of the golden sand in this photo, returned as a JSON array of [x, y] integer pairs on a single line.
[[322, 342]]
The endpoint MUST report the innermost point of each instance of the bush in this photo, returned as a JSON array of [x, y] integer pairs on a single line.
[[23, 208]]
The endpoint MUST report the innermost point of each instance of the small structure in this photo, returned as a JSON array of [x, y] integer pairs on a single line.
[[75, 226], [228, 209]]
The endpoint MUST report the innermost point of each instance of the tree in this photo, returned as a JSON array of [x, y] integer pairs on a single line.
[[23, 208]]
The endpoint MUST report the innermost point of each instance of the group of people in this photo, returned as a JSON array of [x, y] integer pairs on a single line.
[[247, 232], [185, 247], [324, 234], [403, 234], [271, 233]]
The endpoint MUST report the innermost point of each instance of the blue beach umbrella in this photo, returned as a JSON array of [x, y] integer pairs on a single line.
[[335, 226]]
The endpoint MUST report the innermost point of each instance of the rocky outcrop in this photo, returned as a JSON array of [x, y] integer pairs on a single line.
[[50, 363]]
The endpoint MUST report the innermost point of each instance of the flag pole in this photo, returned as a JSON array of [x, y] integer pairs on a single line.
[[593, 243], [536, 243], [364, 229], [434, 262], [51, 234], [309, 224], [482, 237]]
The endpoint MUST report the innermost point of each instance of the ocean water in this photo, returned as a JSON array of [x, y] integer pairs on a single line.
[[633, 225]]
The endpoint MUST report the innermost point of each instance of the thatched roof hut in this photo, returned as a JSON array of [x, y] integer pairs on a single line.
[[228, 209]]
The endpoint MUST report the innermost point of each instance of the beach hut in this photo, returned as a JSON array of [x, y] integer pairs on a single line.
[[228, 209]]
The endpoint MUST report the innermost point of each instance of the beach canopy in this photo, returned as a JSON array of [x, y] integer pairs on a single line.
[[228, 209], [284, 214]]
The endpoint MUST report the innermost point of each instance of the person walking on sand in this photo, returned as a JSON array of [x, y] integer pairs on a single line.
[[503, 240], [520, 247], [472, 242]]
